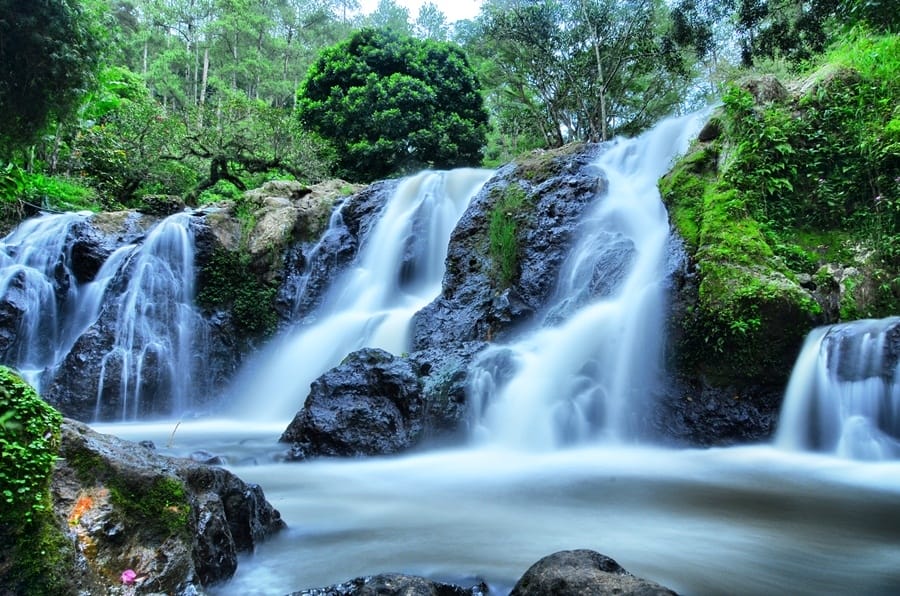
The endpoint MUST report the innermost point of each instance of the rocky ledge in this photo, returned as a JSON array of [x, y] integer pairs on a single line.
[[143, 523]]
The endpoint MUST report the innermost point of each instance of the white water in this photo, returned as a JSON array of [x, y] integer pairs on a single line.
[[35, 256], [843, 397], [737, 521], [155, 317], [589, 376], [372, 303], [157, 325]]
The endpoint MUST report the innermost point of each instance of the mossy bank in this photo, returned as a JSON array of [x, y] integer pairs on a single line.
[[789, 208]]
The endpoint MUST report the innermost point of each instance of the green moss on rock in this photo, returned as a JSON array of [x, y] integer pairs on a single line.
[[33, 550]]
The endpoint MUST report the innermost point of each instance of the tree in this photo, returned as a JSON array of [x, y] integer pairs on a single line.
[[49, 50], [390, 104], [585, 69]]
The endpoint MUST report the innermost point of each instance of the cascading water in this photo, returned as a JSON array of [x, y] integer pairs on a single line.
[[397, 272], [587, 372], [156, 325], [844, 392], [37, 282]]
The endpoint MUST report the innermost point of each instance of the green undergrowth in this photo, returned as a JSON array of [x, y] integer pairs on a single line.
[[789, 188]]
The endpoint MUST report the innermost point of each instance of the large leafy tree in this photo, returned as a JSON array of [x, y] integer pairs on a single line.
[[391, 103], [579, 69], [49, 49]]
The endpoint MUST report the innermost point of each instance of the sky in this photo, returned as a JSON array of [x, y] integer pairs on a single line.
[[454, 9]]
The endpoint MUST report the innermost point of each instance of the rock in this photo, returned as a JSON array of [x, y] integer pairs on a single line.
[[177, 524], [161, 205], [765, 89], [583, 573], [393, 584], [370, 404], [554, 188]]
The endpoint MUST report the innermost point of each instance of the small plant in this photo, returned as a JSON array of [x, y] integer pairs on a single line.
[[502, 230]]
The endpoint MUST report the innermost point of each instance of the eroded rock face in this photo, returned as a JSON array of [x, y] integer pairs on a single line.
[[583, 573], [393, 584], [474, 304], [177, 524]]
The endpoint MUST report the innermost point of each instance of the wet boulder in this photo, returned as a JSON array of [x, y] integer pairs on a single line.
[[583, 573], [370, 404], [155, 524]]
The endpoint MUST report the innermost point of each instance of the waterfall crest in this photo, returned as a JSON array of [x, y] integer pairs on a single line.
[[397, 271], [844, 393], [587, 372]]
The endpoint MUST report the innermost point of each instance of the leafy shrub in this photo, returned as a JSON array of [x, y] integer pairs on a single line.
[[29, 440], [502, 229]]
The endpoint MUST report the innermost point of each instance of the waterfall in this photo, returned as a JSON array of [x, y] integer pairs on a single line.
[[156, 323], [844, 393], [38, 291], [398, 270], [588, 371]]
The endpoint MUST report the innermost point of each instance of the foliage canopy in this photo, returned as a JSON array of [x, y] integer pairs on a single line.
[[391, 103]]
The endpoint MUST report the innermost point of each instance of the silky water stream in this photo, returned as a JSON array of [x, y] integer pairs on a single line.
[[555, 461]]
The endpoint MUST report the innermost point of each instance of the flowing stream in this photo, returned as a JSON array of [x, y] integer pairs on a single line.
[[557, 461]]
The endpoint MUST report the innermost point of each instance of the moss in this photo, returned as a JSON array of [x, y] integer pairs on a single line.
[[683, 189], [32, 558], [162, 506], [541, 165], [227, 282]]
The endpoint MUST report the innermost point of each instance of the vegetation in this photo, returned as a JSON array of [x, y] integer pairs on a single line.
[[29, 437], [790, 179], [502, 230], [390, 103], [228, 282]]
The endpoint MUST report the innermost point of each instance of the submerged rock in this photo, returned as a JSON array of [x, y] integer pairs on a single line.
[[583, 573], [565, 573], [394, 584], [177, 525]]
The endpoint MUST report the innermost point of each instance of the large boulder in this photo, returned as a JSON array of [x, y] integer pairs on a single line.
[[152, 523], [370, 404], [583, 573]]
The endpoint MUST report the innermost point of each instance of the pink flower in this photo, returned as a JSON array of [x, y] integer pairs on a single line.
[[128, 577]]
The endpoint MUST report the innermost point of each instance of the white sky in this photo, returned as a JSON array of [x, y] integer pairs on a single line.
[[454, 9]]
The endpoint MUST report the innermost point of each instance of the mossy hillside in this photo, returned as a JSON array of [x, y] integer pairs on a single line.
[[35, 552], [793, 188]]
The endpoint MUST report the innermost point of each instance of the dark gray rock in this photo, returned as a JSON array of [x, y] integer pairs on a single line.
[[583, 573], [369, 404], [472, 306], [393, 584], [178, 524]]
